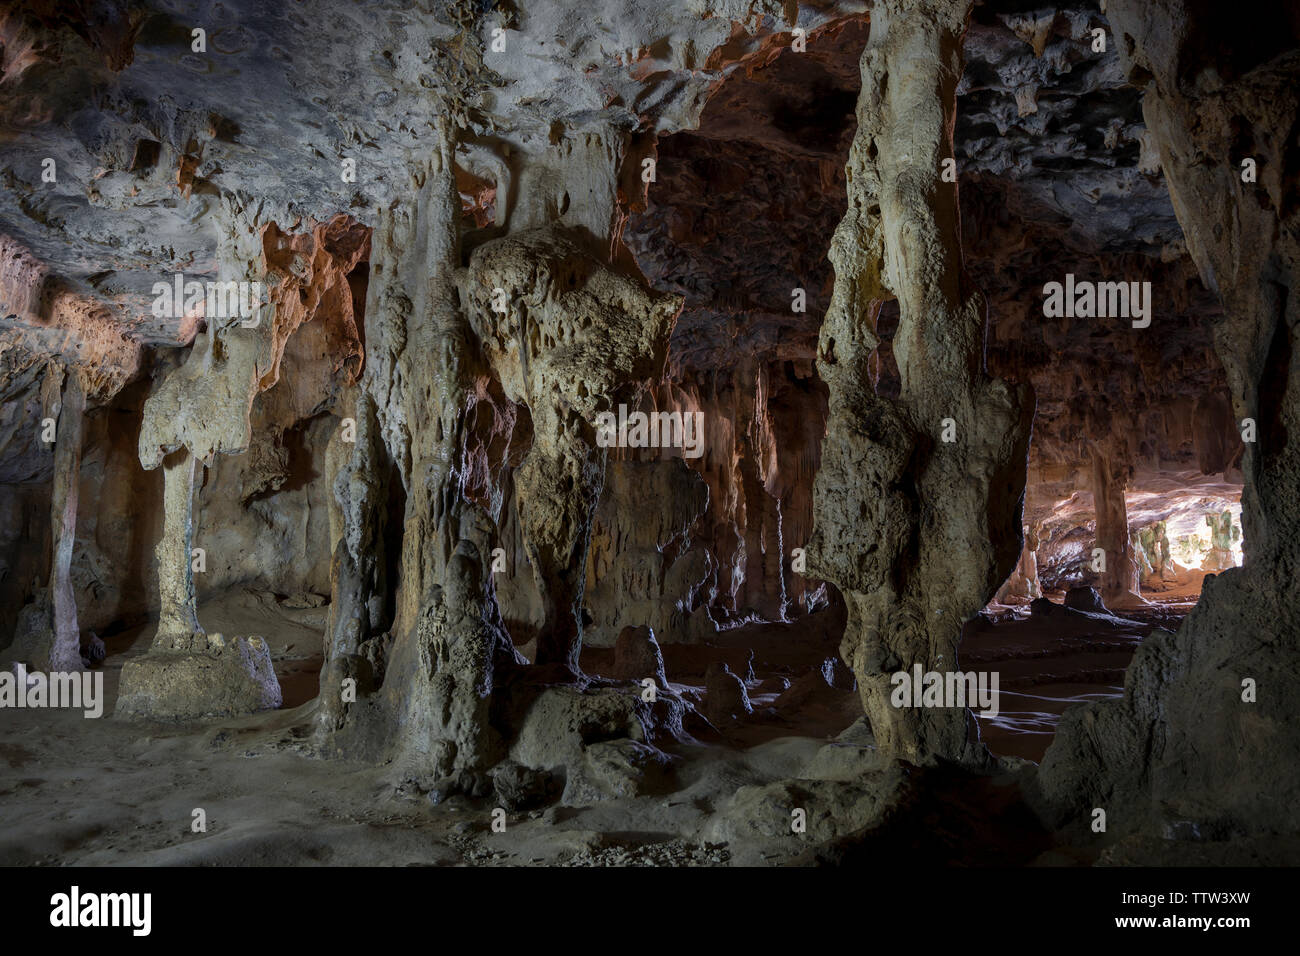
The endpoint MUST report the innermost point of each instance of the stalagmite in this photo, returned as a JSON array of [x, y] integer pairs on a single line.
[[1153, 542], [916, 528], [1223, 535], [355, 630], [1023, 585]]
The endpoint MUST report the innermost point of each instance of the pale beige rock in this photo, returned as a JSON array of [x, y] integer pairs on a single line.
[[646, 566], [199, 410], [916, 532], [577, 335], [224, 679]]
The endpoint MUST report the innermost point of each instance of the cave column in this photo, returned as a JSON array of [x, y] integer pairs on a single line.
[[918, 501], [358, 483], [564, 466], [65, 650], [424, 687], [196, 412], [577, 187], [178, 621], [1120, 585]]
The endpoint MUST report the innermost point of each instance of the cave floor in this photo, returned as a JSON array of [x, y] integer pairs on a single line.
[[79, 791], [1046, 665]]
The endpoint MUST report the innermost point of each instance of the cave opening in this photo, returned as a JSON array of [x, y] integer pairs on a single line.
[[1134, 479]]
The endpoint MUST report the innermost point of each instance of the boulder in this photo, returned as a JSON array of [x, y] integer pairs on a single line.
[[230, 678], [726, 698], [1086, 599]]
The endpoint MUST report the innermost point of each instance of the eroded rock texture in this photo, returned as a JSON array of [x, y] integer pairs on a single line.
[[918, 498], [572, 339], [419, 656]]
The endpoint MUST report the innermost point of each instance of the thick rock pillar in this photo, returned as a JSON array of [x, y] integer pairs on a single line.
[[423, 686], [1119, 578], [918, 501], [359, 596], [178, 620], [47, 637], [571, 331]]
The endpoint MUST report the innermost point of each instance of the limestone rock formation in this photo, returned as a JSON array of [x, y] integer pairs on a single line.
[[953, 436], [649, 568], [313, 323], [570, 337], [637, 656], [726, 697]]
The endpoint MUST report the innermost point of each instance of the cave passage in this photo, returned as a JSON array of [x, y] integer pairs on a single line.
[[746, 633], [1133, 494]]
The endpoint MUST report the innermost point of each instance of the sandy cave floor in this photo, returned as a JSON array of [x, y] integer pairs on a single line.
[[78, 791]]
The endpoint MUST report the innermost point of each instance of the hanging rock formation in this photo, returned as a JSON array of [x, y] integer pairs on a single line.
[[570, 336]]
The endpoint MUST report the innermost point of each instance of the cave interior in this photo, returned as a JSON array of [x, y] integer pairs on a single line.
[[595, 415]]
